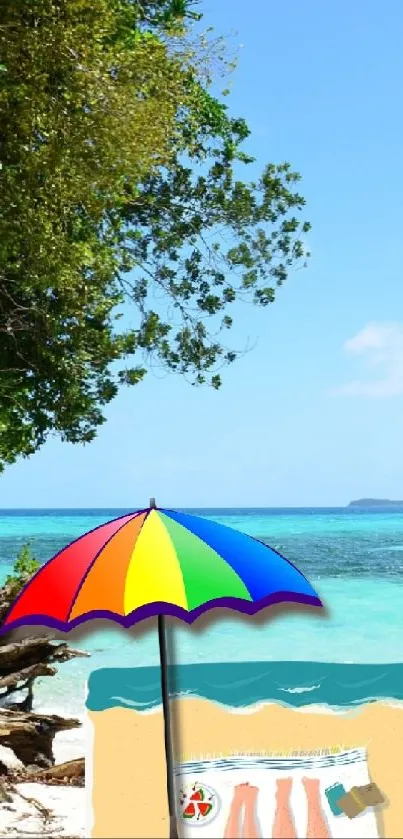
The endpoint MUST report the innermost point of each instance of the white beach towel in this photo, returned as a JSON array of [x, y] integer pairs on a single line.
[[348, 768]]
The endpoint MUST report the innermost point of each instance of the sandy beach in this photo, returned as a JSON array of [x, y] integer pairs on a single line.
[[128, 775]]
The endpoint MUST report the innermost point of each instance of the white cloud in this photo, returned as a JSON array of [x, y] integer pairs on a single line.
[[381, 347]]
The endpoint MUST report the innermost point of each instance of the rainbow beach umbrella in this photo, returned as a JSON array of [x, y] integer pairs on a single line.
[[157, 562]]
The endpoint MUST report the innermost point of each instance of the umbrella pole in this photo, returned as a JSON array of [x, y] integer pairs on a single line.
[[173, 826], [162, 641]]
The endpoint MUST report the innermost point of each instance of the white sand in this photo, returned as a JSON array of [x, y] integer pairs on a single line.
[[24, 818]]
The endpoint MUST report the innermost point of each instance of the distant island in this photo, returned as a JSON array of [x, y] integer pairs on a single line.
[[375, 502]]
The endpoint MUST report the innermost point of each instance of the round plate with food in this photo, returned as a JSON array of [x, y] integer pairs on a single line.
[[198, 804]]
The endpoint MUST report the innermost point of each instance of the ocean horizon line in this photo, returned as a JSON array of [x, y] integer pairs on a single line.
[[186, 507], [210, 510]]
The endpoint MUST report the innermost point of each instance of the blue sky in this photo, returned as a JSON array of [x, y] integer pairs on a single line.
[[313, 415]]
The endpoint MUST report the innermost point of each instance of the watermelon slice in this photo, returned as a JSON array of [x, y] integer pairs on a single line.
[[197, 796], [190, 811], [204, 808]]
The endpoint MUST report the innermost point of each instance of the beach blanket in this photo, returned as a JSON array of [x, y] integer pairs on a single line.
[[218, 777]]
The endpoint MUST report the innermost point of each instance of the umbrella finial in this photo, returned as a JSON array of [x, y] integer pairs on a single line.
[[152, 503]]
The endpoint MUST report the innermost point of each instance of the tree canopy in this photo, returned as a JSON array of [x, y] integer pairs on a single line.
[[120, 184]]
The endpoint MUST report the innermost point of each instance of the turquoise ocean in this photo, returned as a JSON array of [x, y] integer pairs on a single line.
[[350, 654]]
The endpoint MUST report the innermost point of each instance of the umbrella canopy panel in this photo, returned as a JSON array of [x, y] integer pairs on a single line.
[[157, 561]]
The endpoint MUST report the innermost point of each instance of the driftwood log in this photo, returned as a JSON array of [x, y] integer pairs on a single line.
[[70, 769], [69, 772], [30, 736], [22, 660]]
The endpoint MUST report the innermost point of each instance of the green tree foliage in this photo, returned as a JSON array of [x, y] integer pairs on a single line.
[[25, 567], [119, 181]]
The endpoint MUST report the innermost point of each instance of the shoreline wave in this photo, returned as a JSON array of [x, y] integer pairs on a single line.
[[249, 684], [260, 706]]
